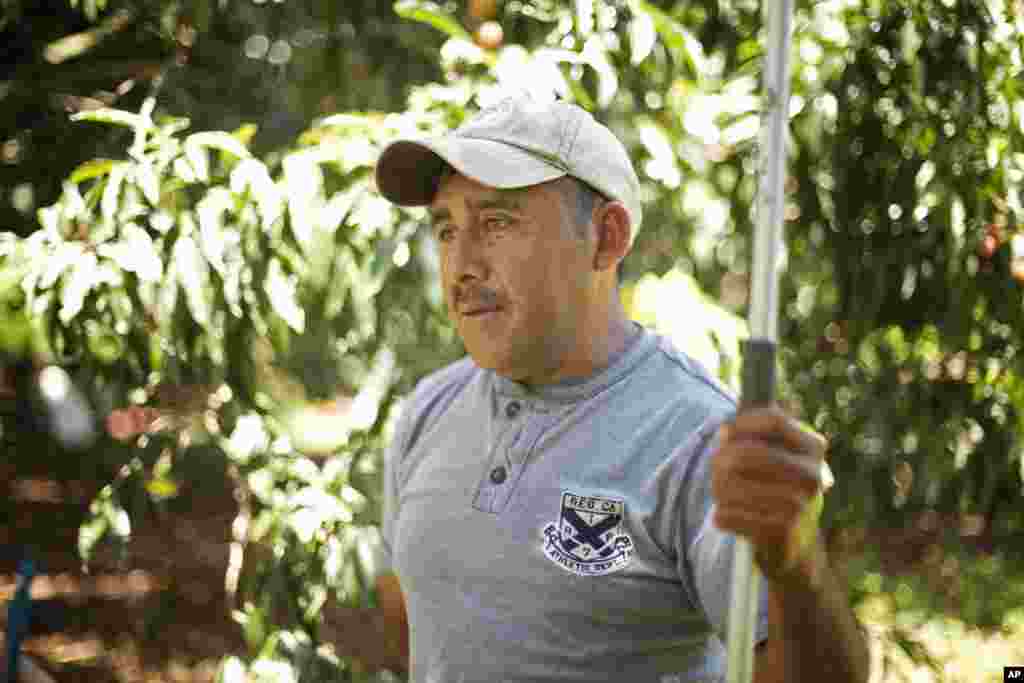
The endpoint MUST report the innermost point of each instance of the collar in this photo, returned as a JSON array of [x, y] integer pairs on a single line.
[[575, 389]]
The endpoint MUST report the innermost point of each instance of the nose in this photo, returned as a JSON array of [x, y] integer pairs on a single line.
[[465, 257]]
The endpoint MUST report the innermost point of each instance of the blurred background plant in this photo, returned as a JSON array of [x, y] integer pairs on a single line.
[[194, 234]]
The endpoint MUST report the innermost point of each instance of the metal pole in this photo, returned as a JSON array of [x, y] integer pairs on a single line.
[[759, 351]]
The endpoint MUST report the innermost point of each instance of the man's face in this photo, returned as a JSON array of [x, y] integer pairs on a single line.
[[517, 281]]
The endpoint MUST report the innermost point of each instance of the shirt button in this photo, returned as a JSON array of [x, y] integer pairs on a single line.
[[498, 475], [512, 409]]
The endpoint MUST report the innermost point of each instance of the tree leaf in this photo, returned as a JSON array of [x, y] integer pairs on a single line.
[[112, 192], [596, 55], [219, 140], [198, 158], [681, 44], [63, 256], [642, 37], [282, 293], [162, 487], [193, 274], [89, 534], [93, 169], [81, 281], [146, 178], [213, 238], [232, 671], [184, 171], [113, 116], [135, 253], [303, 181], [432, 14], [252, 175], [245, 133]]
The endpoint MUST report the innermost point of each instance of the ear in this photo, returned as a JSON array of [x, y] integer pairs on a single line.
[[614, 230]]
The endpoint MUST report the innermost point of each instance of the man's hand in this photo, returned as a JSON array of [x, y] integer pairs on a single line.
[[766, 481], [375, 638]]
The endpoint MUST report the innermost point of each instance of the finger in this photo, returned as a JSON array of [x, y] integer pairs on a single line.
[[759, 527], [777, 524], [772, 422], [769, 501], [758, 462]]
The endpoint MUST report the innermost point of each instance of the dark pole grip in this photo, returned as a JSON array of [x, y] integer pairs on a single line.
[[758, 373]]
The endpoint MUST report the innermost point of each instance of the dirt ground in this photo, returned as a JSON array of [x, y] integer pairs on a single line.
[[156, 614]]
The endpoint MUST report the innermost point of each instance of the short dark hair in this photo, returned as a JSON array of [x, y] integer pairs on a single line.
[[581, 198]]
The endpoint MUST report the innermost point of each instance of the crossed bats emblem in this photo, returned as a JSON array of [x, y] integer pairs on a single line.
[[580, 536]]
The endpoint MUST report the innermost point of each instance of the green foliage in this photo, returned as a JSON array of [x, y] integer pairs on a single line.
[[274, 308], [228, 293]]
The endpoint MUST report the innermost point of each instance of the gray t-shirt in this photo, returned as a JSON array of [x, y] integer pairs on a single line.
[[562, 533]]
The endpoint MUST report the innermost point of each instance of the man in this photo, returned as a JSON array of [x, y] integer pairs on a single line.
[[561, 504]]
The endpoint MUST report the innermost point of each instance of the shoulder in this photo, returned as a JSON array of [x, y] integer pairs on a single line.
[[681, 389], [431, 396]]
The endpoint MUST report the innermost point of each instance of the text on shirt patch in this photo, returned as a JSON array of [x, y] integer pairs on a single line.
[[587, 539]]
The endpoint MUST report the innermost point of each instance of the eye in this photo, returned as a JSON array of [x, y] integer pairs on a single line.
[[443, 232], [497, 222]]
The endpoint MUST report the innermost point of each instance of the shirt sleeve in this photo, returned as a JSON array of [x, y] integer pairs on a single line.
[[705, 553], [384, 560]]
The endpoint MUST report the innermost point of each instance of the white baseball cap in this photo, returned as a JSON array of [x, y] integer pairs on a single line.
[[514, 143]]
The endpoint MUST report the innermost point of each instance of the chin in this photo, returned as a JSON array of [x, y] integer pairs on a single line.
[[493, 362], [485, 361]]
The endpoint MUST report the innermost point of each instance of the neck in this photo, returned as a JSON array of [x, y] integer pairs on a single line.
[[598, 348]]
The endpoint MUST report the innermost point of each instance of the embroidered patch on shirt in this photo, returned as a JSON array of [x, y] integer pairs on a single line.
[[587, 539]]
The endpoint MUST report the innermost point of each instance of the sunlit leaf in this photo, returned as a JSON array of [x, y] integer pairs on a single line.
[[536, 73], [65, 255], [49, 219], [282, 292], [113, 116], [252, 175], [149, 183], [112, 192], [183, 170], [432, 14], [193, 275], [219, 140], [79, 283], [135, 253], [273, 671], [106, 516], [198, 158], [214, 238], [681, 43], [232, 671], [162, 488], [246, 133], [250, 436], [675, 306], [742, 130], [169, 126], [642, 37], [89, 534], [303, 181], [72, 204], [349, 120], [93, 169]]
